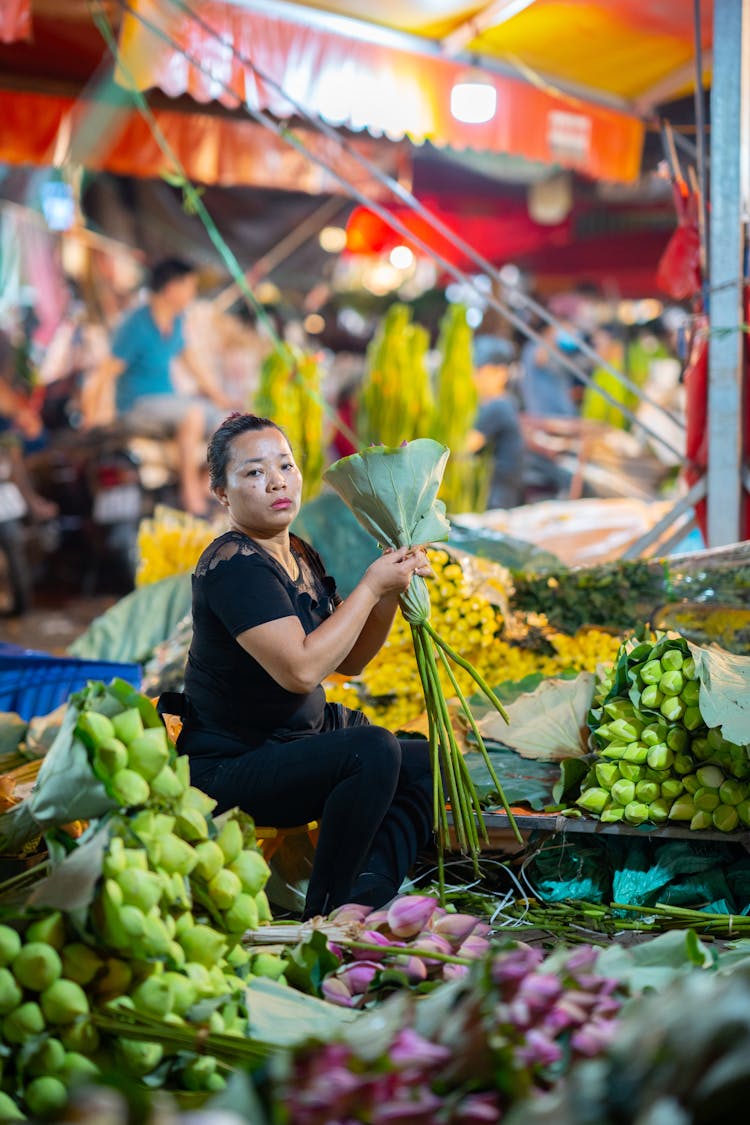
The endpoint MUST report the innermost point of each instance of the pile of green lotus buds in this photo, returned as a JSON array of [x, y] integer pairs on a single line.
[[655, 760], [173, 892]]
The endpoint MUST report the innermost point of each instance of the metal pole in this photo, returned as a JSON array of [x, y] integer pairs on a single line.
[[726, 245]]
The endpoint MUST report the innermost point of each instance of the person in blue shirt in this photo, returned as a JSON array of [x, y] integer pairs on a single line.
[[136, 378], [546, 386], [497, 427]]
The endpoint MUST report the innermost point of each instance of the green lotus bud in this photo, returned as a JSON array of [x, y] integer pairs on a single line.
[[136, 859], [80, 1036], [80, 962], [651, 672], [660, 757], [10, 993], [710, 776], [700, 749], [636, 812], [110, 757], [625, 731], [10, 945], [210, 859], [9, 1111], [23, 1023], [623, 791], [199, 975], [49, 1058], [230, 840], [203, 944], [37, 966], [64, 1001], [45, 1095], [268, 965], [219, 981], [182, 769], [254, 872], [191, 825], [677, 739], [196, 1074], [184, 991], [706, 800], [613, 814], [732, 792], [715, 738], [224, 888], [672, 660], [149, 753], [701, 821], [671, 684], [181, 894], [140, 888], [155, 939], [238, 957], [196, 799], [683, 764], [647, 791], [138, 1056], [49, 929], [115, 979], [725, 818], [620, 709], [658, 811], [683, 808], [593, 800], [607, 773], [615, 751], [653, 734], [243, 914], [177, 856], [128, 725], [129, 789], [691, 783], [77, 1068], [114, 861], [688, 669], [154, 995], [636, 752], [631, 771], [672, 788], [167, 785], [94, 729], [651, 697], [690, 694], [743, 812], [672, 707], [264, 909]]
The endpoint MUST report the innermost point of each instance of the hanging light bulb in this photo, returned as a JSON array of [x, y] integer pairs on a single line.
[[473, 98]]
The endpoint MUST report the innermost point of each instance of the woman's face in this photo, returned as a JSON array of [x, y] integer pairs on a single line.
[[263, 484]]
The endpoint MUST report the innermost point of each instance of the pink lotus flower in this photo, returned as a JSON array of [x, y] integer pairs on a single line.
[[584, 957], [454, 927], [512, 966], [407, 1109], [377, 919], [540, 990], [455, 972], [477, 1109], [410, 1049], [539, 1049], [409, 914], [414, 968], [359, 976], [474, 946], [594, 1037], [350, 912], [335, 991], [372, 937], [432, 943]]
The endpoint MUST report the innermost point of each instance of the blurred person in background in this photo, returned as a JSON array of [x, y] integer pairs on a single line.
[[546, 387], [497, 428], [135, 380], [595, 407]]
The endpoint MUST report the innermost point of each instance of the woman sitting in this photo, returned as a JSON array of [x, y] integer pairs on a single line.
[[268, 627]]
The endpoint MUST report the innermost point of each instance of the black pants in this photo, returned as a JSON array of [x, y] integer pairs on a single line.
[[370, 793]]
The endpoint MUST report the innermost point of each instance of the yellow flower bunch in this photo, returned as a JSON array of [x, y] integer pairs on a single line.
[[171, 542]]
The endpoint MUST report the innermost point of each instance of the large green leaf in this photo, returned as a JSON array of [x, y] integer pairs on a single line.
[[283, 1017], [548, 723], [134, 626], [725, 691], [393, 491], [653, 964], [524, 781]]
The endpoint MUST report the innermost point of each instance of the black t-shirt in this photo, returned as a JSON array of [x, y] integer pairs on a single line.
[[237, 585]]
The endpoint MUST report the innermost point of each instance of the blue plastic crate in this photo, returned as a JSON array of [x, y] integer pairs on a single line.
[[35, 683]]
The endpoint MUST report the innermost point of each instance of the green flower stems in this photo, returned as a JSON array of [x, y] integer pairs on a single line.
[[401, 951], [229, 1049]]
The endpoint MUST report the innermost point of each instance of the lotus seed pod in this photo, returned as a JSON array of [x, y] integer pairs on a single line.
[[203, 944], [45, 1096], [80, 962], [128, 724], [242, 914], [49, 929], [210, 859], [224, 888], [138, 1056], [140, 888], [184, 991], [110, 757], [10, 945], [37, 966], [9, 1111], [64, 1001], [149, 753], [177, 855], [10, 993], [116, 978], [49, 1058], [230, 840], [167, 785], [252, 869], [24, 1022], [78, 1068], [94, 729], [129, 789], [81, 1037], [155, 995], [191, 825]]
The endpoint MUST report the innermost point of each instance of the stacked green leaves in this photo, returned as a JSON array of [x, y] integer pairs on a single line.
[[393, 494], [656, 760]]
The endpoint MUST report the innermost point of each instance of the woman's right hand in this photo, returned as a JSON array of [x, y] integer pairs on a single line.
[[392, 572]]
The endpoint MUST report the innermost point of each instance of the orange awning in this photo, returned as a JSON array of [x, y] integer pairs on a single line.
[[369, 86]]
